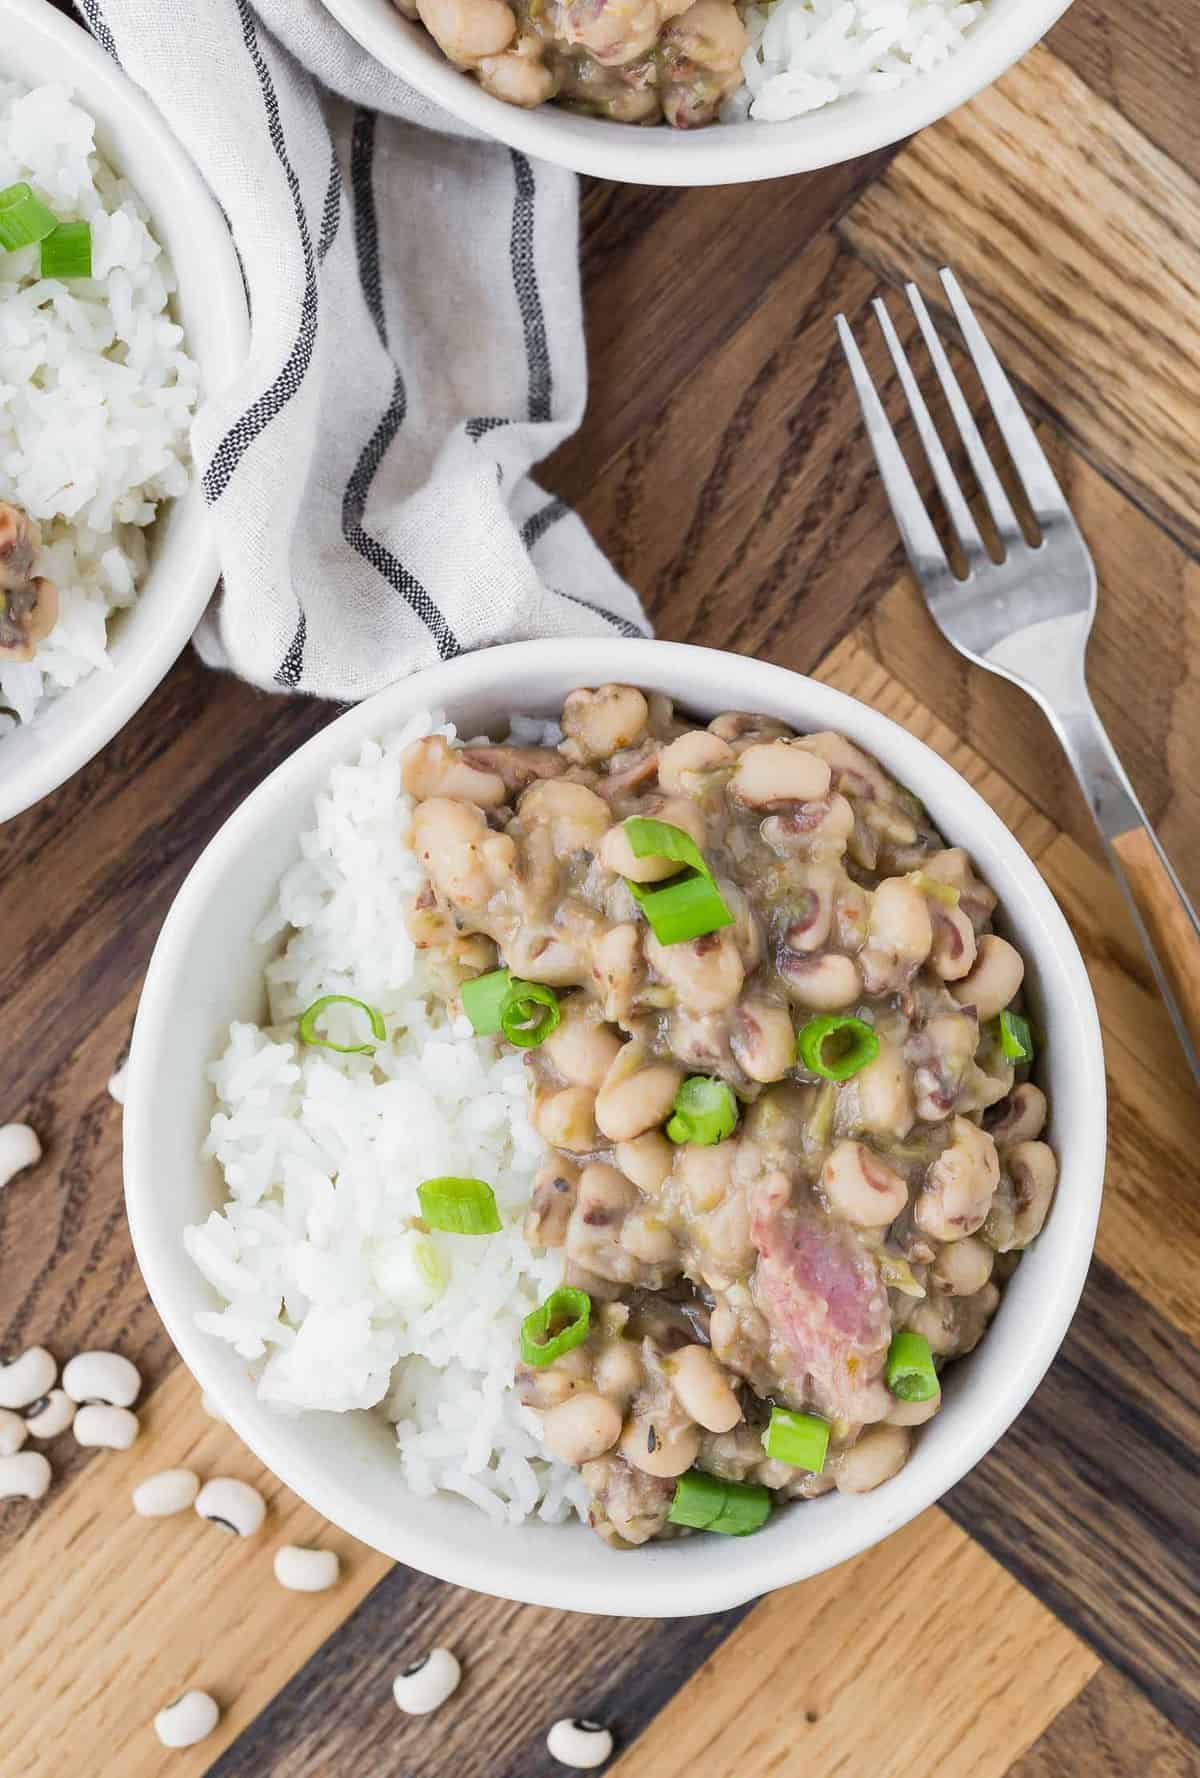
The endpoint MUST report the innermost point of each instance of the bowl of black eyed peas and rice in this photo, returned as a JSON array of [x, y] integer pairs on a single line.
[[473, 1243]]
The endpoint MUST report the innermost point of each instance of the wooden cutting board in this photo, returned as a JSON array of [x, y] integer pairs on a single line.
[[1042, 1621]]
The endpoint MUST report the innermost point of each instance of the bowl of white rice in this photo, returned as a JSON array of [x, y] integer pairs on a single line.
[[823, 81], [271, 1188], [100, 376]]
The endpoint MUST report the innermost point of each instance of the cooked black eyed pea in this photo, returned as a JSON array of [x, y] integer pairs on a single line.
[[1033, 1170], [1019, 1118], [683, 764], [599, 723], [861, 1188], [702, 1389], [633, 1103], [567, 1119], [582, 1427], [997, 974], [659, 1451], [880, 1453], [827, 983], [954, 946], [762, 1040], [771, 774], [899, 936], [962, 1267], [958, 1192]]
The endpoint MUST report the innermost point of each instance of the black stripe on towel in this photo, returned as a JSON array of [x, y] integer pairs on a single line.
[[358, 488], [98, 26], [543, 520], [331, 210], [622, 624], [529, 300], [287, 673], [275, 398]]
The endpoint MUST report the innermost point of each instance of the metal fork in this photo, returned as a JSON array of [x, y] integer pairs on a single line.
[[1028, 617]]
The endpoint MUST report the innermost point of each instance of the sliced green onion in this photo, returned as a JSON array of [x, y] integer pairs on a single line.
[[910, 1372], [529, 1013], [659, 839], [706, 1503], [459, 1206], [23, 218], [705, 1111], [310, 1035], [799, 1439], [933, 886], [1016, 1039], [482, 998], [685, 908], [688, 906], [67, 253], [559, 1325], [835, 1046]]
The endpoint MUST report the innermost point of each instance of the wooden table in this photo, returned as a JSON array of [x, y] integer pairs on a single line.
[[1042, 1621]]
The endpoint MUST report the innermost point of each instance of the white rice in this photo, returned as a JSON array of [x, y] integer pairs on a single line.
[[328, 1289], [96, 391], [806, 53]]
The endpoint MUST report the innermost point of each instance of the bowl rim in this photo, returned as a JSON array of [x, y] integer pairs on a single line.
[[638, 1588], [731, 154], [76, 61]]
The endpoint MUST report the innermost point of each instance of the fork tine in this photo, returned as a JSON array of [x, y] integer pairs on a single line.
[[916, 529], [992, 487], [1038, 479], [948, 488]]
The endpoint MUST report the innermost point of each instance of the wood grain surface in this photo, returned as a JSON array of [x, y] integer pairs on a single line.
[[1042, 1623]]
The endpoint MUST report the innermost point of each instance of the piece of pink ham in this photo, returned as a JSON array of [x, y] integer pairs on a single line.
[[827, 1309]]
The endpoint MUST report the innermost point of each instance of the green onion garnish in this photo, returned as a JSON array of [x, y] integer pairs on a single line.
[[482, 998], [1016, 1040], [835, 1046], [459, 1206], [23, 218], [910, 1372], [525, 1012], [659, 839], [705, 1111], [529, 1013], [309, 1033], [799, 1439], [687, 907], [560, 1324], [67, 253], [706, 1503]]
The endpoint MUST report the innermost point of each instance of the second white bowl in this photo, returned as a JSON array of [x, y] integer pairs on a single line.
[[40, 47]]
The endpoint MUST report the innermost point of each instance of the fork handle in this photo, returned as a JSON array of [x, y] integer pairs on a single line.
[[1165, 918]]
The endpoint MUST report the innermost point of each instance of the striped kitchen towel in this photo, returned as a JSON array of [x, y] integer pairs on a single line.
[[416, 346]]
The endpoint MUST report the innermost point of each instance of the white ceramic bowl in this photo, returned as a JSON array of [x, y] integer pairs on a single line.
[[727, 154], [40, 45], [207, 970]]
